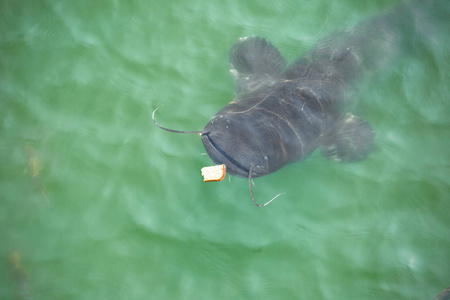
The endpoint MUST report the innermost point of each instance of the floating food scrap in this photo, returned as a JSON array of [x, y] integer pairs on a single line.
[[213, 173]]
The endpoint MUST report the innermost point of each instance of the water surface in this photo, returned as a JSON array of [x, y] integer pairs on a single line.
[[128, 215]]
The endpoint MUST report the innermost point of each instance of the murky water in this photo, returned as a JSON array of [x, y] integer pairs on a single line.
[[97, 202]]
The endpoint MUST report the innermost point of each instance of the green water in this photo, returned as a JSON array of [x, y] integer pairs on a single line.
[[123, 212]]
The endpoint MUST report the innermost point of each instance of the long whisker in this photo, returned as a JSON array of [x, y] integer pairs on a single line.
[[251, 190], [176, 131]]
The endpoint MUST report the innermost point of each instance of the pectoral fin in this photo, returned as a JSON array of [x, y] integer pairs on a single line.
[[254, 62], [350, 140]]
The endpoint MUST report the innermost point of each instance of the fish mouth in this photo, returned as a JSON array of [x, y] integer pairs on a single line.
[[219, 156]]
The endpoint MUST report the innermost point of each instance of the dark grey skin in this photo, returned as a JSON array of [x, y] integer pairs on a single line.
[[443, 295]]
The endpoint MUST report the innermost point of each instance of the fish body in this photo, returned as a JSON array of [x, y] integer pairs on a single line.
[[280, 116], [443, 295]]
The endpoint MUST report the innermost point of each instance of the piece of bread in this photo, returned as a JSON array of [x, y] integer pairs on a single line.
[[213, 173]]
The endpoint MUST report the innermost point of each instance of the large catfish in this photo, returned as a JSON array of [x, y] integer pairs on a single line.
[[283, 113]]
